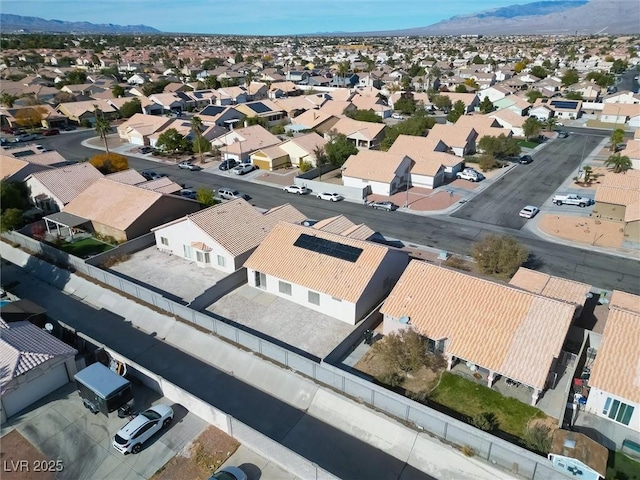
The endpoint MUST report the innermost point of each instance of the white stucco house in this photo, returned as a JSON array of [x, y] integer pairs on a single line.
[[222, 236], [614, 389], [333, 274], [382, 172]]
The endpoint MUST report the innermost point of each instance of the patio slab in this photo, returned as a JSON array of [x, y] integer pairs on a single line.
[[286, 321]]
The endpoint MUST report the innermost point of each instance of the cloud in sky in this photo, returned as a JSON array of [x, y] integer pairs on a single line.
[[255, 17]]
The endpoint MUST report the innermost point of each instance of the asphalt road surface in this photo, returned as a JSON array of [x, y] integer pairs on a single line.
[[530, 184], [454, 234]]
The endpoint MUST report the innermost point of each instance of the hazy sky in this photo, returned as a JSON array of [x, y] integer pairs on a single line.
[[255, 17]]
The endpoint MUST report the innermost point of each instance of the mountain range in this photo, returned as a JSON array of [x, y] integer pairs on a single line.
[[550, 17], [19, 24]]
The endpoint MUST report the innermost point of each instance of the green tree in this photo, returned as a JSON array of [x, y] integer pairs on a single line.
[[13, 195], [416, 126], [539, 71], [402, 352], [570, 77], [533, 95], [172, 141], [486, 106], [617, 136], [102, 126], [550, 123], [339, 148], [499, 255], [441, 102], [117, 91], [458, 110], [76, 77], [619, 66], [462, 88], [531, 127], [130, 108], [573, 96], [30, 117], [205, 197], [619, 163], [7, 99], [405, 105], [201, 146], [321, 157], [197, 128], [10, 219], [500, 146], [364, 116]]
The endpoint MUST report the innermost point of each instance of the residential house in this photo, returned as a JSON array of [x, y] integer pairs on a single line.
[[81, 112], [283, 90], [383, 172], [461, 141], [341, 225], [17, 170], [161, 185], [470, 100], [270, 158], [139, 127], [495, 93], [170, 102], [50, 190], [517, 104], [617, 198], [338, 108], [125, 211], [484, 126], [264, 109], [240, 143], [632, 151], [510, 120], [222, 236], [365, 135], [432, 163], [303, 148], [313, 119], [614, 391], [34, 364], [338, 276], [559, 108], [226, 117], [621, 113], [622, 96], [50, 158], [456, 313], [350, 80]]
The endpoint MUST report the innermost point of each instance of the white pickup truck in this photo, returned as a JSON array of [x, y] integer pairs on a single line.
[[572, 199]]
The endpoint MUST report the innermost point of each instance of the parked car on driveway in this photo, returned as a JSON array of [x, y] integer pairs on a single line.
[[51, 132], [332, 197], [130, 438], [227, 164], [572, 199], [388, 206], [188, 193], [470, 174], [25, 137], [145, 149], [189, 166], [529, 211], [299, 189], [68, 128], [243, 169]]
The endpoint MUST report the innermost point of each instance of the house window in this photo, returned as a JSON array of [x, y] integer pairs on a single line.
[[199, 256], [221, 261], [261, 280], [206, 258], [314, 298], [618, 411], [284, 287], [164, 241], [188, 252]]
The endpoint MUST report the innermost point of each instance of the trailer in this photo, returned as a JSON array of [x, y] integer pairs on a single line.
[[101, 389]]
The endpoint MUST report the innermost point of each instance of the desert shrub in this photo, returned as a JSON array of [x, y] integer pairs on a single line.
[[468, 451], [457, 263], [486, 421], [499, 255], [305, 166], [538, 438], [391, 379], [402, 352]]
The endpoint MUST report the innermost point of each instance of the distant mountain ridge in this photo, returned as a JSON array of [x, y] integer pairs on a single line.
[[17, 23], [558, 17]]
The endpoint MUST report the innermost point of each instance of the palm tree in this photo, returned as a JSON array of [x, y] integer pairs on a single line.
[[102, 127], [616, 137], [620, 163], [321, 157], [197, 128], [551, 123]]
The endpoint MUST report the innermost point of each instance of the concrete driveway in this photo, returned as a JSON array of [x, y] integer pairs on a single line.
[[63, 429]]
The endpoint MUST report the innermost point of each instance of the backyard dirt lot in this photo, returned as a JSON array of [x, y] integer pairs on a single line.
[[22, 461]]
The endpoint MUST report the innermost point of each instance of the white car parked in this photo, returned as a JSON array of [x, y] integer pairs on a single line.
[[130, 438], [332, 197], [529, 211], [299, 189], [243, 168]]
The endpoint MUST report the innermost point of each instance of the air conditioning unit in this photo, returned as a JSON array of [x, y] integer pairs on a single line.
[[591, 353]]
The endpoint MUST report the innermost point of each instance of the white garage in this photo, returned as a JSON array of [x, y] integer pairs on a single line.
[[33, 363]]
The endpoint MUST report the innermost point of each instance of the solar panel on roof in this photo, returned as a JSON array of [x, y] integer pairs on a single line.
[[258, 107], [212, 110], [564, 104], [328, 247]]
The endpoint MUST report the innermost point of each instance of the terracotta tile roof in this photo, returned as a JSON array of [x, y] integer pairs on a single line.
[[632, 150], [509, 116], [549, 286], [10, 166], [621, 109], [143, 124], [625, 301], [341, 225], [112, 203], [336, 107], [512, 332], [239, 227], [160, 185], [616, 368], [23, 347], [350, 127], [129, 176], [251, 138], [76, 109], [621, 189], [452, 135], [466, 98], [66, 183], [375, 166], [309, 142], [47, 159], [279, 257], [311, 118]]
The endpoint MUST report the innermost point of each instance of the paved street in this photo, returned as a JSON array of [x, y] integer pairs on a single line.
[[439, 231]]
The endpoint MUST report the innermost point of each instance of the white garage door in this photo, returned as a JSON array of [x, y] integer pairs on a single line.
[[37, 388]]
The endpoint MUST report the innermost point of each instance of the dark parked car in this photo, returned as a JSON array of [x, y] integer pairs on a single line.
[[68, 128], [525, 160], [151, 175], [227, 164], [563, 134], [51, 132], [145, 149]]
